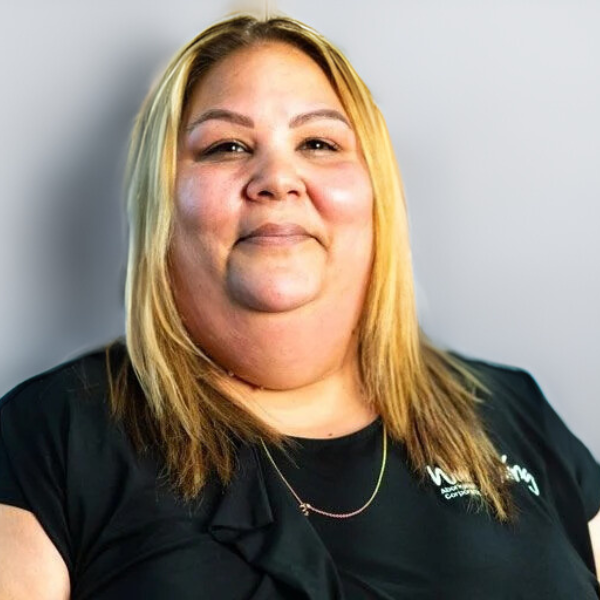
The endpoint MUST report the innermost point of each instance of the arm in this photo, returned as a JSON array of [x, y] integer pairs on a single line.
[[594, 526], [30, 564]]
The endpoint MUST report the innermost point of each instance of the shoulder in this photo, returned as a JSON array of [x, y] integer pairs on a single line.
[[514, 395], [50, 407], [57, 437], [508, 387], [84, 378], [514, 409], [492, 372], [519, 416]]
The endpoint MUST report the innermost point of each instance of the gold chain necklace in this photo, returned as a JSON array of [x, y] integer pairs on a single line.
[[307, 508]]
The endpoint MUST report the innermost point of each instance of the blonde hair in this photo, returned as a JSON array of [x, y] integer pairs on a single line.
[[170, 394]]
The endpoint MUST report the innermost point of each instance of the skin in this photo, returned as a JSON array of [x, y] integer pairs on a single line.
[[30, 564], [594, 527], [280, 313], [278, 310], [286, 310]]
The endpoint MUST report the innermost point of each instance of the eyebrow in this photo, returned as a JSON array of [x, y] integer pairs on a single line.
[[221, 114]]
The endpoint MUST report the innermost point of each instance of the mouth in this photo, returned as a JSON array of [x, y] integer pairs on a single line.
[[276, 234]]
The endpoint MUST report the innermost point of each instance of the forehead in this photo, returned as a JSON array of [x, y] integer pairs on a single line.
[[265, 72]]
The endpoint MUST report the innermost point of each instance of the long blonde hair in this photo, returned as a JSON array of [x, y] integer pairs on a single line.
[[171, 395]]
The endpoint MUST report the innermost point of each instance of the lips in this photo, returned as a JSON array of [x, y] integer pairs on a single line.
[[276, 232]]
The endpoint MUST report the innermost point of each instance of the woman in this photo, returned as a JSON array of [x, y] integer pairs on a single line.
[[276, 425]]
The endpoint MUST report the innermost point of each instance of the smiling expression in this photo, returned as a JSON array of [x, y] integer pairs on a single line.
[[273, 201]]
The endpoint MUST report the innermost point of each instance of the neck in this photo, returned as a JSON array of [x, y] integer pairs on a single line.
[[329, 407]]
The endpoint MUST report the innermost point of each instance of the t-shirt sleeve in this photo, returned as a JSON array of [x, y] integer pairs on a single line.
[[581, 462], [33, 443], [10, 490]]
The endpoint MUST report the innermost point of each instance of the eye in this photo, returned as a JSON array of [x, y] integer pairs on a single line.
[[319, 145], [230, 147]]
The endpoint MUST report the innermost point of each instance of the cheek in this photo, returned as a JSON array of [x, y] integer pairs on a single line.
[[345, 202], [197, 204], [207, 208], [206, 222], [344, 197]]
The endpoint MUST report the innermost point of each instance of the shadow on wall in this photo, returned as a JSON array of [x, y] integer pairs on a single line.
[[78, 233]]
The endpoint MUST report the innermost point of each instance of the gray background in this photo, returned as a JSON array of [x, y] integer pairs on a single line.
[[493, 110]]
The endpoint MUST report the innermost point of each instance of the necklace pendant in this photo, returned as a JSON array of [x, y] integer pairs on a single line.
[[305, 508]]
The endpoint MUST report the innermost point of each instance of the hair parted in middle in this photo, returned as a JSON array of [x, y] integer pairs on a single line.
[[426, 397]]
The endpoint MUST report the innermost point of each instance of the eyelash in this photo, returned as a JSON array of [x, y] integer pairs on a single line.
[[331, 146], [219, 148]]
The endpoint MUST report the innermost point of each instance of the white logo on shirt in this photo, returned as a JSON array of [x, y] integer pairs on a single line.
[[451, 487], [519, 473]]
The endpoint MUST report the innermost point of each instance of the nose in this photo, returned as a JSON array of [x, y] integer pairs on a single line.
[[275, 178]]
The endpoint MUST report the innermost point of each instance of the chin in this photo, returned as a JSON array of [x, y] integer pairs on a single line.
[[280, 298], [274, 285], [276, 305], [278, 380]]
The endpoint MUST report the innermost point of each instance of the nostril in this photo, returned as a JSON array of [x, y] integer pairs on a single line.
[[274, 190]]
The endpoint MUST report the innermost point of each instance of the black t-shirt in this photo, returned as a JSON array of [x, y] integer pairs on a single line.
[[123, 534]]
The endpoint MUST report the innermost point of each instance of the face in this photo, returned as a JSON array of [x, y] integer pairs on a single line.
[[273, 204]]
